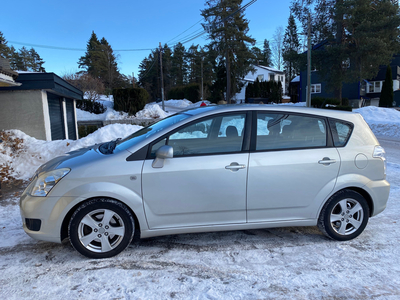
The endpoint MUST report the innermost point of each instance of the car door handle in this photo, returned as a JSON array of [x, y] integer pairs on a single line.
[[235, 166], [327, 161]]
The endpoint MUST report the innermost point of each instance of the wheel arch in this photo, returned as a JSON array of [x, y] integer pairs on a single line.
[[359, 190], [67, 218]]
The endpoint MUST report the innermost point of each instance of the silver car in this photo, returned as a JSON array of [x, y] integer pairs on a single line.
[[212, 168]]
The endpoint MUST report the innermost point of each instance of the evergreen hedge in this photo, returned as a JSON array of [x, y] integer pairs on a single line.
[[91, 106], [130, 100], [190, 92], [387, 96], [270, 90]]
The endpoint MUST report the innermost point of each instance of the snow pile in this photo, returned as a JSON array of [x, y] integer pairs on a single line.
[[178, 103], [36, 152], [151, 111], [292, 104], [109, 114], [383, 121]]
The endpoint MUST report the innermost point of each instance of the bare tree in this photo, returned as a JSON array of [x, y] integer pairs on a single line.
[[277, 47], [91, 87]]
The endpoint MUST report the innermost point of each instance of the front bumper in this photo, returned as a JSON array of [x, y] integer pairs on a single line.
[[43, 211]]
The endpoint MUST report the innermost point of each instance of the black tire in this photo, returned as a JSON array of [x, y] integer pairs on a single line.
[[344, 224], [93, 236]]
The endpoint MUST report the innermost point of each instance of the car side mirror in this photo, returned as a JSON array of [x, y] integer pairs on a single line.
[[162, 153]]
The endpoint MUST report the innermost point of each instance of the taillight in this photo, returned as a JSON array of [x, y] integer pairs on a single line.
[[379, 152]]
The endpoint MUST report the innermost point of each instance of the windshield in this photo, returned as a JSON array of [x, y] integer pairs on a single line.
[[149, 131]]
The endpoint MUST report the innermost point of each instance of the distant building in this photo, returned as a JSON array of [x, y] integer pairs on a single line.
[[42, 105], [263, 74], [366, 91]]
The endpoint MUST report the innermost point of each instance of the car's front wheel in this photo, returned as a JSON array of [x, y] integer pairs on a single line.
[[101, 228], [344, 216]]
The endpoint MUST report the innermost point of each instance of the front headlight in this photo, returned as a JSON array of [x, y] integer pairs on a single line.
[[43, 184]]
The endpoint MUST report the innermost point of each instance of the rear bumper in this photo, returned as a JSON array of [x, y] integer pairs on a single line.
[[379, 191]]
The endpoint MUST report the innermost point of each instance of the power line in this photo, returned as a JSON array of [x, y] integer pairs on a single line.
[[190, 37], [196, 34], [185, 31], [70, 49]]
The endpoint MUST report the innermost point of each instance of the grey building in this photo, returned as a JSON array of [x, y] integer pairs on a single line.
[[42, 105]]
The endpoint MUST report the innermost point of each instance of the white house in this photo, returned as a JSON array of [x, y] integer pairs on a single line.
[[263, 74]]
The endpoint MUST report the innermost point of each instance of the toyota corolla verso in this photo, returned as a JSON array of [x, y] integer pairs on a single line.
[[212, 169]]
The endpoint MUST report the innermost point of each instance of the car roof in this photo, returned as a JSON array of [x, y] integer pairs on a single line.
[[206, 110]]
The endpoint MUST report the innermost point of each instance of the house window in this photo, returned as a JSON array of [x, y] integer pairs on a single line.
[[260, 77], [374, 87], [346, 63], [272, 77], [316, 88]]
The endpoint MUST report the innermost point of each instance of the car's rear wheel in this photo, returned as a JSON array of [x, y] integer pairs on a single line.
[[101, 228], [344, 216]]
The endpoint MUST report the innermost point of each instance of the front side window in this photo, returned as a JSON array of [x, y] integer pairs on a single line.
[[283, 131], [219, 134]]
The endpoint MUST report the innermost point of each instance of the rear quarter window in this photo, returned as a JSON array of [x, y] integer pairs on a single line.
[[341, 132]]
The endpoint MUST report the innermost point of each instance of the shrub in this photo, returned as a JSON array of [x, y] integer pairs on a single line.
[[91, 106], [321, 102], [190, 92], [85, 130], [130, 100]]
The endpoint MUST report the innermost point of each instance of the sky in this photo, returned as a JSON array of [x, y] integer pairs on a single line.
[[124, 24]]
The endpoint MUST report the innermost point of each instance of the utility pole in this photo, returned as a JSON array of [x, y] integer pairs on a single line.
[[202, 98], [162, 80], [228, 69], [308, 98]]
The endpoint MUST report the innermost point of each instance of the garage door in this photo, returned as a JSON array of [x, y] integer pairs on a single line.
[[71, 119], [56, 117]]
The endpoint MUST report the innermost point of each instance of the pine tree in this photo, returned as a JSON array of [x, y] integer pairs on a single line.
[[386, 99], [291, 47], [148, 75], [179, 67], [90, 61], [35, 61], [257, 56], [100, 62], [228, 32], [267, 54], [364, 32], [5, 51], [108, 67]]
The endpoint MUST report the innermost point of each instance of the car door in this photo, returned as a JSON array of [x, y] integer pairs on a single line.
[[292, 169], [205, 181]]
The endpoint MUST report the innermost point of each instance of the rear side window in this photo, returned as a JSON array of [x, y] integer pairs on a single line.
[[341, 132], [282, 131]]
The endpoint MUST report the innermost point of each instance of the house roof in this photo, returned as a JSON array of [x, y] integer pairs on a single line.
[[296, 79], [7, 76], [47, 81], [270, 69]]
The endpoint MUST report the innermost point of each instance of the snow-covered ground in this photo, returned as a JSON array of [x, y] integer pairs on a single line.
[[283, 263]]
